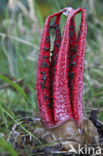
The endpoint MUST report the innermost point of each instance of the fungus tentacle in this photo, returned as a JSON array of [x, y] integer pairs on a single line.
[[55, 53], [61, 93], [59, 83], [44, 76], [77, 68], [60, 76]]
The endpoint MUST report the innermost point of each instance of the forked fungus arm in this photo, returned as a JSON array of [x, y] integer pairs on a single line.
[[60, 76]]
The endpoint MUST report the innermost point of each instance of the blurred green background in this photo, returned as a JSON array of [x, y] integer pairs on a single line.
[[21, 24]]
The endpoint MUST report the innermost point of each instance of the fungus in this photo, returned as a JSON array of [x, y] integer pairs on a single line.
[[59, 84]]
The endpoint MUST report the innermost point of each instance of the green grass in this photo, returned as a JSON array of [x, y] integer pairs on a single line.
[[7, 147]]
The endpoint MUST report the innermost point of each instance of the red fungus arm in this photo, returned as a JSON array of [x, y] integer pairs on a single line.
[[79, 72], [43, 77], [67, 91], [43, 88], [61, 93], [55, 52], [76, 69]]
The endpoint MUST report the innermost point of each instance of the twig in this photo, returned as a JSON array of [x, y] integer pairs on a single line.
[[11, 67], [92, 6], [89, 108], [32, 11], [7, 97], [8, 85], [23, 8], [29, 14], [19, 40]]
